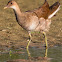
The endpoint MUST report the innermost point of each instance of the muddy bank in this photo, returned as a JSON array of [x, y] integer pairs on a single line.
[[19, 38]]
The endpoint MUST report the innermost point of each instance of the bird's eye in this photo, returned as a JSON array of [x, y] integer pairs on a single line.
[[11, 3]]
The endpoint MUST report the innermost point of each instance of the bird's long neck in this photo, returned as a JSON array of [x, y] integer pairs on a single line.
[[17, 12]]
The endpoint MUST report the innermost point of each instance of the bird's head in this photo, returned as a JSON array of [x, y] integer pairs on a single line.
[[11, 4]]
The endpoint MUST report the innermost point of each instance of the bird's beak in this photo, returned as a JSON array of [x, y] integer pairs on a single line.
[[5, 7]]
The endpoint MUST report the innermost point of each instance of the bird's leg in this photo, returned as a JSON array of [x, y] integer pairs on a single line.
[[46, 49], [28, 44], [29, 40], [45, 39]]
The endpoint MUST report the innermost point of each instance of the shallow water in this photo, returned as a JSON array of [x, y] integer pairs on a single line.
[[54, 54]]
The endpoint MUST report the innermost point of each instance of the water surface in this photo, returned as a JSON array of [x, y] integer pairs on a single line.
[[54, 54]]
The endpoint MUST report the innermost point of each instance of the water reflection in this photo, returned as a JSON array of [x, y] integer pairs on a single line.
[[39, 59], [53, 54], [31, 58], [45, 55]]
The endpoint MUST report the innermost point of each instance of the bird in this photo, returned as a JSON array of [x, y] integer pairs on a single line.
[[36, 20]]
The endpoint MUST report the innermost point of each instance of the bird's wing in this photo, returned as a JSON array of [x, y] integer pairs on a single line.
[[42, 11], [45, 11]]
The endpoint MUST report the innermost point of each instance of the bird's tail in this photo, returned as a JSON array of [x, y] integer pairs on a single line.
[[53, 9]]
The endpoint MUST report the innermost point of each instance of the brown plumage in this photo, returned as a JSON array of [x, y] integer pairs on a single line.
[[46, 11], [43, 10], [36, 20]]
